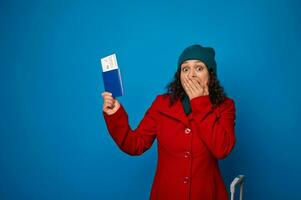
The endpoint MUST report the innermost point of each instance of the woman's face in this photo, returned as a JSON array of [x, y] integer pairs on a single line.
[[194, 69]]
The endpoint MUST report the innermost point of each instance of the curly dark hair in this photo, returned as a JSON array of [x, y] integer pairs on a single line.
[[216, 91]]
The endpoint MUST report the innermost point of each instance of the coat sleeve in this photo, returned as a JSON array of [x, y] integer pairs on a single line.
[[132, 142], [215, 127]]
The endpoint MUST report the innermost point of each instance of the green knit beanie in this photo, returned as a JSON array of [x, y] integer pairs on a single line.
[[198, 52]]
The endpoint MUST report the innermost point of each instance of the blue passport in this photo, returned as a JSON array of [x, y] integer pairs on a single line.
[[111, 76]]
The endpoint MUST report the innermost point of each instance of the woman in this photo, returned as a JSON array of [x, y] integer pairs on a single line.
[[194, 125]]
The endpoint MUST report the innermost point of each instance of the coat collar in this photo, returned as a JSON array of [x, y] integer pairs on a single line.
[[176, 111]]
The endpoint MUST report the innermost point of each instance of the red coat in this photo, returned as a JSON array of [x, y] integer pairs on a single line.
[[188, 146]]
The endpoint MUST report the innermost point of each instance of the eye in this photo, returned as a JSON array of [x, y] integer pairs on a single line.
[[199, 68], [184, 69]]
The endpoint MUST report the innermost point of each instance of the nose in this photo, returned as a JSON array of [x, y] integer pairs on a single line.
[[191, 73]]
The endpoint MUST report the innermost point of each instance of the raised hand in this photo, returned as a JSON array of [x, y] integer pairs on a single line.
[[110, 105]]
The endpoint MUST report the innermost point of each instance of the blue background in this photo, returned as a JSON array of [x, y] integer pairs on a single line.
[[54, 143]]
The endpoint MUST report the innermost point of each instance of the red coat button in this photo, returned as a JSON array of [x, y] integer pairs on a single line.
[[186, 179], [187, 154], [187, 130]]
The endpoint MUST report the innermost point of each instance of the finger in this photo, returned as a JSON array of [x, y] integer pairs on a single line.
[[202, 89], [109, 101], [200, 85], [207, 89], [196, 84], [108, 98], [193, 85], [206, 86], [188, 86], [106, 94], [108, 105]]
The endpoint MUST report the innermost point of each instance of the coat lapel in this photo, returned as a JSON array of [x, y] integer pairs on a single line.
[[176, 111]]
